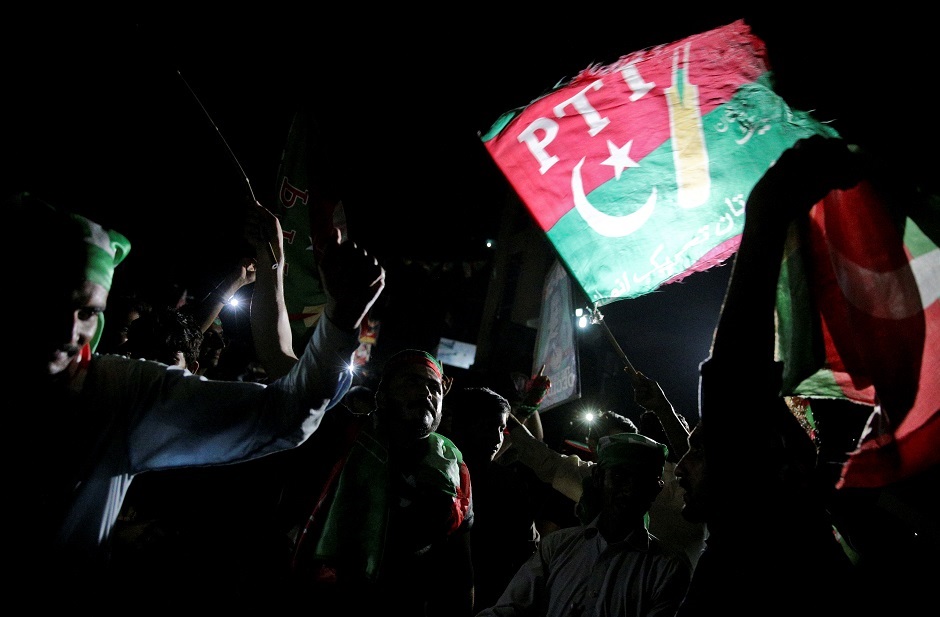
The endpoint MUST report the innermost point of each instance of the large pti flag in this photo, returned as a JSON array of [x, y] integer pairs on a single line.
[[638, 171], [858, 317]]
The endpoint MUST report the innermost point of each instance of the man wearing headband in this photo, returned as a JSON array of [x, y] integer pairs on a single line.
[[96, 421], [611, 565], [392, 534]]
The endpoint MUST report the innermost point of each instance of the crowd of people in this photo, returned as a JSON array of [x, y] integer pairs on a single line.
[[156, 464], [158, 476]]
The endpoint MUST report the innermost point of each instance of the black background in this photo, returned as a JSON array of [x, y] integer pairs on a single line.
[[98, 118]]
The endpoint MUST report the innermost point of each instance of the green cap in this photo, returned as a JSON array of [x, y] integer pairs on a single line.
[[631, 449], [106, 249]]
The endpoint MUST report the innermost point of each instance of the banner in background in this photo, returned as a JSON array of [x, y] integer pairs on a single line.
[[556, 348]]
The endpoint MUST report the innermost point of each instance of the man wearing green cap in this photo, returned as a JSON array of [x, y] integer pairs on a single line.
[[611, 565], [96, 421]]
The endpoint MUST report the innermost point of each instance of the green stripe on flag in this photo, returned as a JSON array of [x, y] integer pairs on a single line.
[[743, 138]]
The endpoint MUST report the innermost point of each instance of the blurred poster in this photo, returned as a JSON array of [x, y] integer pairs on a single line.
[[456, 353], [555, 346]]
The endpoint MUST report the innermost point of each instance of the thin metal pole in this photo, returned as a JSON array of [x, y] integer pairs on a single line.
[[231, 152], [598, 318]]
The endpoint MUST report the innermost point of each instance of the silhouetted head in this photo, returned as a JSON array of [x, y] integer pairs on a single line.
[[410, 396], [478, 418]]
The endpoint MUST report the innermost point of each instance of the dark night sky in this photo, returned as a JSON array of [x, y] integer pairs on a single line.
[[95, 112], [108, 121], [96, 115]]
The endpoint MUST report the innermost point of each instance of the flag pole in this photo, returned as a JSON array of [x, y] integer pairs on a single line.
[[231, 152], [597, 318]]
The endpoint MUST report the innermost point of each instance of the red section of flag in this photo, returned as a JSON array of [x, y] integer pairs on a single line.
[[617, 104], [914, 445], [882, 344], [868, 297]]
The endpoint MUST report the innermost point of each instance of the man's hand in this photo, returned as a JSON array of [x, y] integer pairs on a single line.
[[263, 232], [804, 174], [648, 394], [353, 281]]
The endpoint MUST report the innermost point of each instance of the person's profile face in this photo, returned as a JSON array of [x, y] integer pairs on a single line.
[[115, 335], [213, 342], [214, 337], [487, 434], [126, 326]]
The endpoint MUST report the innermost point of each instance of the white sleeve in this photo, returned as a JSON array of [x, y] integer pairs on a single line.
[[174, 418]]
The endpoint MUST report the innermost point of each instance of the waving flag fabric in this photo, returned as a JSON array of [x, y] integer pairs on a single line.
[[297, 197], [638, 171], [859, 318], [308, 220]]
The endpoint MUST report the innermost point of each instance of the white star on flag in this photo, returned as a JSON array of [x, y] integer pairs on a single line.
[[620, 157]]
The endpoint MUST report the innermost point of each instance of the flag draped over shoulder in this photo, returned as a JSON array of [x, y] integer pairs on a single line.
[[638, 171], [858, 317]]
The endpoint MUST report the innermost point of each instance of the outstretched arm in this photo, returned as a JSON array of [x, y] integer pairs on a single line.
[[800, 178], [650, 396], [243, 273], [563, 472], [739, 390], [194, 421], [270, 323], [527, 410]]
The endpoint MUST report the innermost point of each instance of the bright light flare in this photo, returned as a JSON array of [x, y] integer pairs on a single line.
[[583, 319]]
